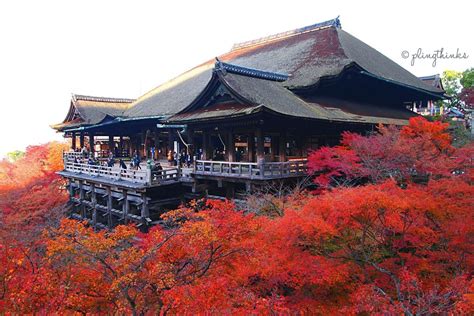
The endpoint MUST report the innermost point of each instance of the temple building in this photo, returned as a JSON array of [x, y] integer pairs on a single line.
[[244, 119]]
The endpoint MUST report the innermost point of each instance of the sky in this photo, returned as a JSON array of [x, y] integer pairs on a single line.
[[51, 49]]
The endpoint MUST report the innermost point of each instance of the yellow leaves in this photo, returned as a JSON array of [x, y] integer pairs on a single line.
[[202, 232]]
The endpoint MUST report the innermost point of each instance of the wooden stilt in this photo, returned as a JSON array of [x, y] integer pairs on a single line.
[[230, 147], [92, 144], [73, 141], [81, 140], [111, 144], [126, 206], [282, 145], [251, 147], [205, 146], [145, 212], [81, 200], [109, 207], [94, 206]]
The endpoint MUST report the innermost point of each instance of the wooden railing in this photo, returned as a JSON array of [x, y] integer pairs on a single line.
[[265, 170], [71, 155], [145, 176]]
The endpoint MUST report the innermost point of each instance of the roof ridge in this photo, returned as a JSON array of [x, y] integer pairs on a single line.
[[252, 72], [317, 26], [435, 76], [101, 99]]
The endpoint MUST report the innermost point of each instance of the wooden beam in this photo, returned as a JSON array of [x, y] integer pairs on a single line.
[[260, 145], [282, 145], [109, 207], [145, 212], [111, 144], [81, 140], [126, 206], [81, 199], [121, 145], [230, 147], [73, 140], [91, 143], [94, 206], [251, 147], [205, 146]]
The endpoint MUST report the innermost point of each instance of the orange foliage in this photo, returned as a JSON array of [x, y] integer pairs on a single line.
[[387, 247]]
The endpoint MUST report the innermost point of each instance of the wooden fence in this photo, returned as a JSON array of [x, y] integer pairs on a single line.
[[265, 170], [145, 176]]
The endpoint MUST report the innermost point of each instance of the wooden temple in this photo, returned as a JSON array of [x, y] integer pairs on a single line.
[[247, 117]]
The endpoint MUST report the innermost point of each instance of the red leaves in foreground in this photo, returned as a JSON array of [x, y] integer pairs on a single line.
[[418, 151], [382, 248]]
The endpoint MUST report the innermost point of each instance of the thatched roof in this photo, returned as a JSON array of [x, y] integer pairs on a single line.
[[88, 110], [254, 91], [307, 55]]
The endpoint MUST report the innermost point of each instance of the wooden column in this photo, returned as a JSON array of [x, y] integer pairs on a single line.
[[73, 141], [144, 142], [81, 199], [91, 144], [157, 144], [71, 190], [125, 207], [170, 140], [94, 206], [282, 145], [260, 145], [109, 207], [81, 140], [145, 212], [251, 147], [205, 146], [230, 147], [111, 144], [121, 146], [190, 141], [274, 147]]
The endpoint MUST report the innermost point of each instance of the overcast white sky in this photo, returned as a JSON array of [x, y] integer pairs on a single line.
[[50, 49]]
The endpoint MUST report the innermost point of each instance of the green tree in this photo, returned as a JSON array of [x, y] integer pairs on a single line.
[[467, 78], [15, 155], [452, 86]]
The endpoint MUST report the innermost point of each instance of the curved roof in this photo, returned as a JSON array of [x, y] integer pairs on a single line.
[[89, 110], [254, 91], [307, 54]]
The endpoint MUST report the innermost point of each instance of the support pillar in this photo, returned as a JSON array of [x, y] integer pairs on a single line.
[[73, 141], [144, 142], [251, 147], [81, 200], [92, 144], [145, 212], [157, 144], [111, 144], [260, 145], [126, 206], [170, 140], [274, 147], [190, 141], [109, 208], [121, 146], [205, 146], [230, 147], [71, 190], [81, 140], [94, 206], [282, 145]]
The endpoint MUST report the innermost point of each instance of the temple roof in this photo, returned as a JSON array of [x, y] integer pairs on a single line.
[[433, 80], [253, 91], [89, 110], [307, 55]]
